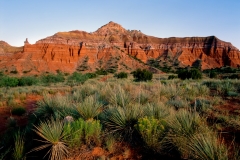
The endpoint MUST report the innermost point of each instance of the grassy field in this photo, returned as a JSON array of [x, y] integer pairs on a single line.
[[104, 117]]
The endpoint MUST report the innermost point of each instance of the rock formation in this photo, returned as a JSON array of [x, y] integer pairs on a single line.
[[114, 48]]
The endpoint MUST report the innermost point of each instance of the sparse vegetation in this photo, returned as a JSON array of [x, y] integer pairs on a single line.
[[181, 119]]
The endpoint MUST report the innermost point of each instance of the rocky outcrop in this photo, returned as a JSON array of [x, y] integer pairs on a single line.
[[114, 48]]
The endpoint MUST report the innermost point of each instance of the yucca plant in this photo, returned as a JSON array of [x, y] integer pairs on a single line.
[[89, 108], [53, 137], [18, 151], [158, 111], [182, 124], [54, 106], [208, 146], [123, 120], [118, 97]]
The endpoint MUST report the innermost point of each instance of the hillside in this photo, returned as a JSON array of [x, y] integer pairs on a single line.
[[114, 48]]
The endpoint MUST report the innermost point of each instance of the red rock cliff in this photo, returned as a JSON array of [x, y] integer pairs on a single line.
[[113, 47]]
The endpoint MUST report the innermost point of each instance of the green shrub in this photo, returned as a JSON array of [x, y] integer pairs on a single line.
[[92, 130], [27, 81], [142, 75], [101, 72], [187, 74], [152, 131], [51, 78], [8, 81], [121, 75], [78, 78], [19, 111], [75, 132], [91, 75], [212, 74], [172, 77]]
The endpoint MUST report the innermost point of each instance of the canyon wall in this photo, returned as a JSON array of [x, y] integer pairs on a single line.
[[113, 47]]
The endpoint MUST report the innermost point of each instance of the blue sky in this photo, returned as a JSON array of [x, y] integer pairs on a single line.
[[37, 19]]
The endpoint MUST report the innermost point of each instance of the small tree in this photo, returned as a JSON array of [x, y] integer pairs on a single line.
[[142, 75]]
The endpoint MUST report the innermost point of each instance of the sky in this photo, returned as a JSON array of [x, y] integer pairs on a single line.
[[37, 19]]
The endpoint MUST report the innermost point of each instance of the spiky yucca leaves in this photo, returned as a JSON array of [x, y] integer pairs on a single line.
[[75, 133], [183, 124], [18, 151], [53, 137], [156, 110], [54, 106], [118, 97], [123, 119], [152, 132], [89, 108], [85, 91], [207, 145]]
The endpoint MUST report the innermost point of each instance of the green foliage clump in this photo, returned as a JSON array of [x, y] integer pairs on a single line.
[[19, 111], [51, 78], [101, 72], [152, 131], [142, 75], [8, 81], [91, 75], [75, 132], [80, 131], [27, 81], [212, 75], [172, 77], [192, 73], [121, 75], [78, 77]]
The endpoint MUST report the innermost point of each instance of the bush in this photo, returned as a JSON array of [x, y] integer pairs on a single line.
[[187, 74], [172, 77], [8, 82], [78, 77], [51, 78], [91, 75], [152, 131], [74, 132], [27, 81], [101, 72], [142, 75], [212, 75], [18, 111], [121, 75]]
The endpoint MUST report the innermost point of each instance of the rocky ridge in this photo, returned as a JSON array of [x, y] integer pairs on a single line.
[[114, 48]]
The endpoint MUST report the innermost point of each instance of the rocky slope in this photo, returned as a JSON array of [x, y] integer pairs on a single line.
[[114, 48]]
